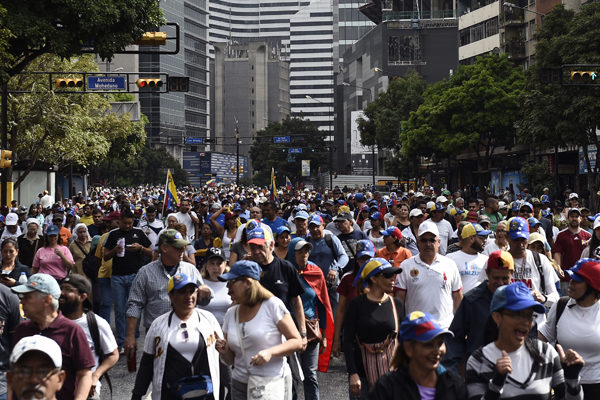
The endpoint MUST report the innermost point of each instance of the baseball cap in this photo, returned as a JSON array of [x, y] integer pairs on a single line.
[[301, 215], [526, 204], [83, 284], [373, 267], [518, 228], [441, 199], [300, 245], [112, 216], [241, 268], [596, 222], [472, 230], [472, 216], [532, 221], [215, 252], [252, 224], [343, 216], [415, 212], [178, 281], [437, 207], [428, 227], [421, 327], [586, 270], [281, 229], [174, 238], [43, 283], [545, 199], [257, 236], [39, 343], [515, 297], [230, 215], [418, 194], [515, 206], [375, 215], [365, 247], [392, 231], [573, 196], [359, 197], [501, 259], [11, 219], [302, 207], [536, 237], [316, 219], [454, 211], [571, 210], [502, 205], [483, 219]]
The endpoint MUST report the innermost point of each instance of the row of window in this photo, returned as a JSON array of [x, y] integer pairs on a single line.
[[479, 31]]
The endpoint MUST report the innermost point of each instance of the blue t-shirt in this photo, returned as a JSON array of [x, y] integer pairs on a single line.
[[309, 299], [275, 224]]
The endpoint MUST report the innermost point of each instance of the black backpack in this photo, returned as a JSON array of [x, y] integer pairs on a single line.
[[91, 265], [95, 334]]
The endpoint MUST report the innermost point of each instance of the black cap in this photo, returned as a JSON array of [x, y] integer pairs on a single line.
[[215, 252], [82, 284]]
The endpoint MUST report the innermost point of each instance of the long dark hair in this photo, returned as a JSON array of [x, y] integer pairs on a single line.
[[594, 243]]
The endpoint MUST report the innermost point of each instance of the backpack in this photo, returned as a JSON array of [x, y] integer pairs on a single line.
[[560, 308], [95, 334], [91, 265]]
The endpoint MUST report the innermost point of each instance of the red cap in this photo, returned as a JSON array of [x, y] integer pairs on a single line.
[[472, 216]]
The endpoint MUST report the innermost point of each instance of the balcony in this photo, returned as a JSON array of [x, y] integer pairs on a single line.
[[410, 15], [513, 17], [515, 49]]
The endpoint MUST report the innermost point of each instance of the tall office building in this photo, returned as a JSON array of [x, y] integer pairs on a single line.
[[174, 116]]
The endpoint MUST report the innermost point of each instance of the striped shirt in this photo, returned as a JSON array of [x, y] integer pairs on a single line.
[[543, 377], [148, 292]]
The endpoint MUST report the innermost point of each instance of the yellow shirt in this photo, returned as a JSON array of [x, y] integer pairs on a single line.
[[105, 270], [86, 220]]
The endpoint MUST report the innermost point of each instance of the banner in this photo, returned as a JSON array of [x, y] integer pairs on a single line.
[[305, 167]]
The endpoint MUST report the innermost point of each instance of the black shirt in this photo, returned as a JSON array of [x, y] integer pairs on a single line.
[[9, 319], [27, 249], [349, 241], [281, 279], [132, 260]]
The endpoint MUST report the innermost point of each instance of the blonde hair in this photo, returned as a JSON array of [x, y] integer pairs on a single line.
[[204, 271], [181, 228], [256, 293]]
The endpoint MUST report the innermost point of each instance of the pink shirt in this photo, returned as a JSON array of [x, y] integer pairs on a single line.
[[50, 263]]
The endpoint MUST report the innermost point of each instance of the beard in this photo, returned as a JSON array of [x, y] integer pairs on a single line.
[[68, 308]]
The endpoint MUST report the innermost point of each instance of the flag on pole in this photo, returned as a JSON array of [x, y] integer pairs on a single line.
[[170, 193], [211, 182], [288, 183], [273, 195]]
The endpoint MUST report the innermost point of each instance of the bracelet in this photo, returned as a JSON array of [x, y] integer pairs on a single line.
[[303, 334], [545, 298]]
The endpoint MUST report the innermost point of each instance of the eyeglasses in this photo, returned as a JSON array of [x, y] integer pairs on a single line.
[[185, 334], [40, 373], [425, 240]]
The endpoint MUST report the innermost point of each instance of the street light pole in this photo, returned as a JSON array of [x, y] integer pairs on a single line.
[[330, 142], [512, 5], [237, 156]]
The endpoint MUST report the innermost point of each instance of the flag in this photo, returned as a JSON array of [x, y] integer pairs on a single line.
[[170, 193], [211, 182], [288, 183], [273, 195]]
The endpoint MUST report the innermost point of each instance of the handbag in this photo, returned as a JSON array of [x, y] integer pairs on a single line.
[[376, 357], [191, 387], [313, 331], [260, 387]]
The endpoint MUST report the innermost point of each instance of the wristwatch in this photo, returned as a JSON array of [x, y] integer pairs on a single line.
[[303, 334]]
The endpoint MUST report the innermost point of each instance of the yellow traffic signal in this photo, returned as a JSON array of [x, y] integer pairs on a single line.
[[153, 39], [232, 169], [68, 82], [5, 159], [241, 169], [149, 82], [584, 76]]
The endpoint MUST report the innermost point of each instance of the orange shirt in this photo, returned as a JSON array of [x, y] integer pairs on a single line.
[[65, 234], [397, 256]]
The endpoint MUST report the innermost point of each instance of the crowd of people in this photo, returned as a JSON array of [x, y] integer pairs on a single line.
[[243, 293]]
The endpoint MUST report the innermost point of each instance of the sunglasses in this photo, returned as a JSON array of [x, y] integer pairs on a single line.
[[425, 240]]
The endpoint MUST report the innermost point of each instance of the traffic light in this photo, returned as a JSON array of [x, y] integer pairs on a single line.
[[153, 39], [5, 159], [584, 76], [241, 169], [69, 82], [232, 169], [149, 82]]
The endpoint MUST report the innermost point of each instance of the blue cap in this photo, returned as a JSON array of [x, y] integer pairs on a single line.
[[546, 213], [256, 236], [545, 198], [515, 297], [43, 283], [281, 229], [591, 218], [179, 281], [365, 247], [301, 214], [518, 228], [52, 230], [241, 268], [421, 327], [375, 215], [526, 204], [392, 231], [373, 267], [359, 197], [437, 207], [237, 207], [533, 221], [515, 205], [316, 219], [252, 224]]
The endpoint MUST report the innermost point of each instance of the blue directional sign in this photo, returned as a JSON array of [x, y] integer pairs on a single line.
[[281, 139], [106, 82], [295, 150], [194, 140]]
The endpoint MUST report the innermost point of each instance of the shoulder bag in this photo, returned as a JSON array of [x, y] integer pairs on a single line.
[[260, 387]]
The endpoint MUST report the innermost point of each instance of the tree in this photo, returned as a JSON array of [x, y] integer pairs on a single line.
[[381, 126], [266, 154], [66, 129], [6, 58], [475, 110], [62, 27]]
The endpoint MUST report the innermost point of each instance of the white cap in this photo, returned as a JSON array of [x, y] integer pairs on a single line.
[[573, 196], [502, 205], [11, 219], [428, 227], [596, 223], [302, 207], [418, 194], [441, 199], [430, 204], [415, 212], [33, 221], [37, 343]]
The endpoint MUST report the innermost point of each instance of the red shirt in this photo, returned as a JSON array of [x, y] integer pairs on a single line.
[[570, 246], [345, 287]]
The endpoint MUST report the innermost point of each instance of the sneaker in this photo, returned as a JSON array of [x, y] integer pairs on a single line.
[[121, 351]]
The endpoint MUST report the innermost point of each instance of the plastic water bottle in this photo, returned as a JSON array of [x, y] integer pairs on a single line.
[[22, 278]]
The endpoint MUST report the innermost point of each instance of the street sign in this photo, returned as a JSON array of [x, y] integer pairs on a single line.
[[295, 150], [281, 139], [194, 140], [106, 83]]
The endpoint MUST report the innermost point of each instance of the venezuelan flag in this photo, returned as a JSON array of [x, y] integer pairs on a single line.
[[288, 183], [170, 193], [211, 182], [273, 195]]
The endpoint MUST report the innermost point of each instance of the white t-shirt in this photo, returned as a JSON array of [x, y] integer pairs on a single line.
[[429, 288], [152, 233], [260, 333], [491, 247], [520, 359], [578, 329], [107, 340], [378, 242], [189, 224], [410, 241], [469, 266], [185, 336], [220, 302], [445, 234]]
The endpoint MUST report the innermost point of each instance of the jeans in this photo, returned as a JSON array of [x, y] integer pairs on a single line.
[[333, 299], [105, 298], [309, 360], [121, 285]]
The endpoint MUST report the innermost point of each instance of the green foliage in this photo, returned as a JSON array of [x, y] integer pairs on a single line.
[[6, 35], [117, 97], [537, 177], [266, 154], [474, 109], [67, 129], [62, 27], [384, 114], [148, 167]]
